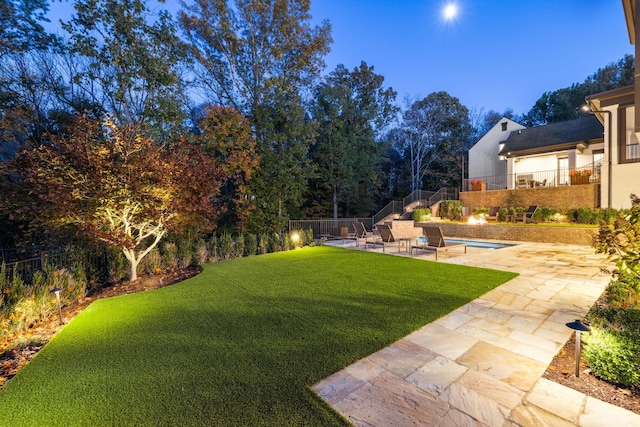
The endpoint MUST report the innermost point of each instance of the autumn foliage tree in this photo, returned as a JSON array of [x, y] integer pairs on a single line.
[[227, 137], [118, 185]]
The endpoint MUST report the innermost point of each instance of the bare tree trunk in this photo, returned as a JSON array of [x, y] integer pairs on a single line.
[[335, 202]]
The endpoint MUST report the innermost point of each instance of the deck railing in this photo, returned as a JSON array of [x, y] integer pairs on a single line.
[[393, 208], [550, 178]]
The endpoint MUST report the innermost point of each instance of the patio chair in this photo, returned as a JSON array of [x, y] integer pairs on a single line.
[[436, 242], [362, 233], [386, 236], [528, 215], [493, 213]]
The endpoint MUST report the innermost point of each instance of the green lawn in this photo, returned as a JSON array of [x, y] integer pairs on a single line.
[[239, 344]]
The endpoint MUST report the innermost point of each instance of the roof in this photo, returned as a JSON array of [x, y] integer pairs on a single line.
[[553, 137], [629, 7]]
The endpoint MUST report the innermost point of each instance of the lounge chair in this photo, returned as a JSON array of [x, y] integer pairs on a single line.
[[386, 236], [369, 237], [494, 211], [436, 242], [528, 215]]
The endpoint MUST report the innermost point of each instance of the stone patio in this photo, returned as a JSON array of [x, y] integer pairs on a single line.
[[481, 365]]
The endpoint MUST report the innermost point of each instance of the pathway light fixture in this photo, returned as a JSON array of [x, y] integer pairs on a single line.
[[578, 327]]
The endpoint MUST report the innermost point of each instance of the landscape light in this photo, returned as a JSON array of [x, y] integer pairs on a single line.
[[578, 326], [56, 291], [295, 238]]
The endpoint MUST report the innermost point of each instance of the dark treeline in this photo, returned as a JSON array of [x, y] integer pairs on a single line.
[[320, 143]]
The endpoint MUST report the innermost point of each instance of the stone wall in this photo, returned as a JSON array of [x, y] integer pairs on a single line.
[[402, 229], [522, 233], [574, 196]]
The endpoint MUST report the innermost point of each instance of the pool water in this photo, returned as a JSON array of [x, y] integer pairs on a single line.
[[476, 243]]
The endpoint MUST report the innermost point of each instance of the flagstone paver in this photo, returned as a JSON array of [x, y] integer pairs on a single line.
[[481, 365]]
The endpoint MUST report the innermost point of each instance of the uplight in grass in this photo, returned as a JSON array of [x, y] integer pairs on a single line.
[[295, 238]]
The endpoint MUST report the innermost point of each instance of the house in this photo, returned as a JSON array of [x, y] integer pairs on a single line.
[[511, 156], [547, 155], [615, 109], [483, 160]]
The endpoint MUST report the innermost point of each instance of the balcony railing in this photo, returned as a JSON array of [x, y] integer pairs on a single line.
[[551, 178]]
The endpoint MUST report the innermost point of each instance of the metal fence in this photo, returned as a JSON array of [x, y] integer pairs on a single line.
[[340, 227], [58, 257], [393, 208]]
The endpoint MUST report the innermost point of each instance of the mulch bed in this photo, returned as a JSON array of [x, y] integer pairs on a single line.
[[562, 370]]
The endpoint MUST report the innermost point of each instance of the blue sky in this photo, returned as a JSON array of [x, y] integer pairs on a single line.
[[495, 54]]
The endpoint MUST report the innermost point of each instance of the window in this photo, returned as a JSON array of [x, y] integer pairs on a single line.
[[628, 146], [504, 126]]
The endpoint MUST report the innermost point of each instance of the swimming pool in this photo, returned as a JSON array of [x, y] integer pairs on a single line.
[[476, 243]]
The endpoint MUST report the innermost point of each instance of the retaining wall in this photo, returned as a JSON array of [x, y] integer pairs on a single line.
[[566, 196], [523, 233]]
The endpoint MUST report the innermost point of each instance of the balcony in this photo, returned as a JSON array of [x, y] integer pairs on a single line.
[[588, 174]]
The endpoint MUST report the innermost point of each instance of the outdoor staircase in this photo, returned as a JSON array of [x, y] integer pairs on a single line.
[[415, 200]]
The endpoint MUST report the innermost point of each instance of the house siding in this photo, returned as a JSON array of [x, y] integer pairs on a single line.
[[483, 156], [626, 181]]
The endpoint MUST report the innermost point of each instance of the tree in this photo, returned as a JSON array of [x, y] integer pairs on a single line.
[[262, 57], [435, 131], [352, 110], [566, 103], [226, 136], [133, 57], [120, 186], [21, 29]]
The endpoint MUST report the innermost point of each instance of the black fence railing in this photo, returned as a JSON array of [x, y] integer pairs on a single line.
[[534, 179], [95, 259], [330, 228]]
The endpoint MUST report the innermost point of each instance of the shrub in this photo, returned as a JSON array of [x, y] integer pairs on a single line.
[[275, 243], [250, 244], [152, 262], [201, 254], [36, 302], [263, 245], [213, 249], [502, 214], [117, 265], [170, 255], [288, 243], [481, 211], [12, 288], [421, 215], [226, 246], [608, 215], [546, 215], [586, 215], [308, 237], [239, 243], [624, 291], [613, 356], [185, 253], [620, 240], [451, 209]]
